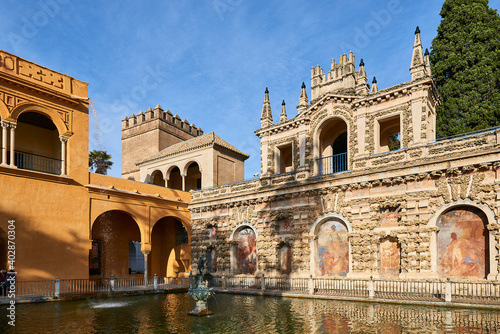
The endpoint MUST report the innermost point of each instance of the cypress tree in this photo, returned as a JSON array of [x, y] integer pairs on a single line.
[[465, 62]]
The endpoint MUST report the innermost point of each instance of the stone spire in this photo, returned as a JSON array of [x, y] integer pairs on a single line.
[[283, 117], [417, 68], [374, 86], [302, 99], [427, 63], [266, 118], [362, 87]]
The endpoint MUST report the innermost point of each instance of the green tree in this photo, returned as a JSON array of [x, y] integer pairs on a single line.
[[465, 62], [100, 161]]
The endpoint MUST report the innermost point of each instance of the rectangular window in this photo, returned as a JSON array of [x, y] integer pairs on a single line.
[[285, 159], [135, 258], [389, 138]]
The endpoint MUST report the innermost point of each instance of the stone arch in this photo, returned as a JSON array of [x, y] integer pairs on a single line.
[[320, 268], [239, 227], [192, 176], [4, 111], [325, 135], [490, 251], [188, 163], [115, 236], [62, 129], [244, 259], [173, 176], [170, 254], [157, 178]]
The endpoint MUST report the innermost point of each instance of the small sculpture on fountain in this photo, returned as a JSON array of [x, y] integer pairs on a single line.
[[200, 291]]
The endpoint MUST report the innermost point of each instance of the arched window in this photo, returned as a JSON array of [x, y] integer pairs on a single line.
[[332, 248], [463, 243]]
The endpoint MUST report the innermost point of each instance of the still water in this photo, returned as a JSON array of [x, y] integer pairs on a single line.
[[241, 314]]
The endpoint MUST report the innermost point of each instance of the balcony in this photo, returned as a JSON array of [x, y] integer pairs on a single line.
[[332, 164], [36, 162]]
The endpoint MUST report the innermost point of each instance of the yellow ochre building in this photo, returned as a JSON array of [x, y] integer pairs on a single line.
[[69, 222]]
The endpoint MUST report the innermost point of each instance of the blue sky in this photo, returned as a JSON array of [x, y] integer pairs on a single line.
[[209, 61]]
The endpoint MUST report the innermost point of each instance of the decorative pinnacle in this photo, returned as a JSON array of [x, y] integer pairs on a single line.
[[374, 80], [303, 85], [426, 52], [361, 63], [417, 31], [267, 91], [283, 103]]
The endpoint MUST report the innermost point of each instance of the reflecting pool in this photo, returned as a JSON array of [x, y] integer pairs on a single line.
[[168, 313]]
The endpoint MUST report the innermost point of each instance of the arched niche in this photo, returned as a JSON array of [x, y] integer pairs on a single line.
[[244, 258], [462, 245], [330, 247]]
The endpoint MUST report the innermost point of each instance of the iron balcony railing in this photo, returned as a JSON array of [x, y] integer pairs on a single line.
[[35, 162], [333, 164]]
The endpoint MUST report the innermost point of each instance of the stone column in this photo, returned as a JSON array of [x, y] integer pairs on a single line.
[[12, 143], [5, 126], [145, 268], [63, 140], [183, 177]]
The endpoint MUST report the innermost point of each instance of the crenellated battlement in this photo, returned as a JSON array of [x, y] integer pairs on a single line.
[[164, 116], [342, 77]]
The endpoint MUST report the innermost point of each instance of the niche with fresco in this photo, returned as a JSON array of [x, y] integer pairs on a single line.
[[463, 243], [247, 251], [333, 248]]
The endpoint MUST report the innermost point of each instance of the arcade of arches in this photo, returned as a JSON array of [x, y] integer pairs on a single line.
[[191, 180], [116, 247]]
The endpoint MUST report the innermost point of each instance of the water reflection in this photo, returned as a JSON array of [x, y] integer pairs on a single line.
[[242, 314]]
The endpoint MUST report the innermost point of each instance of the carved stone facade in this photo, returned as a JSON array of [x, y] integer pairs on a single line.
[[356, 185]]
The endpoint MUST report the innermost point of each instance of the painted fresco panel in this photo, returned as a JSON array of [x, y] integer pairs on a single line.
[[333, 249], [286, 260], [247, 251], [212, 233], [462, 241], [284, 226], [389, 217], [390, 258]]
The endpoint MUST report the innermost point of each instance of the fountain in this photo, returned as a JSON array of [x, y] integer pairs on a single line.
[[200, 292]]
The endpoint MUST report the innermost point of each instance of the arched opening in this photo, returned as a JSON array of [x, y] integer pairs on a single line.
[[332, 155], [390, 257], [244, 253], [157, 178], [37, 144], [463, 243], [193, 177], [170, 252], [116, 240], [332, 248], [175, 178]]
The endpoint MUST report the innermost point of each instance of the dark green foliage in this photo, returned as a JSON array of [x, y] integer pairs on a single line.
[[465, 62], [100, 161], [394, 143]]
